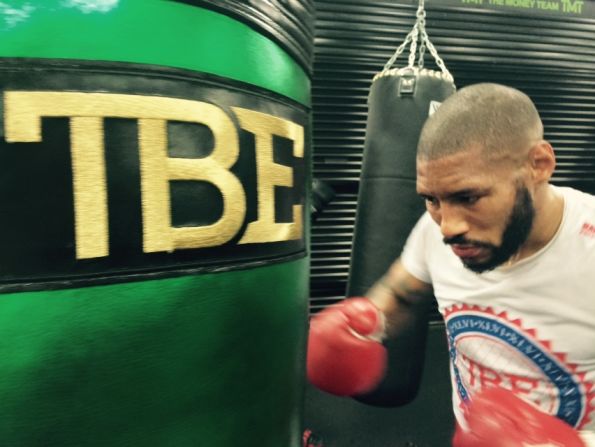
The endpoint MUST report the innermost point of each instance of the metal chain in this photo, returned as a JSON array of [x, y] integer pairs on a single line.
[[413, 49], [417, 29], [421, 25], [399, 51], [436, 56], [418, 33]]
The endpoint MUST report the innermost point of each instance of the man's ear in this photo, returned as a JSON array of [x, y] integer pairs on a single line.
[[542, 161]]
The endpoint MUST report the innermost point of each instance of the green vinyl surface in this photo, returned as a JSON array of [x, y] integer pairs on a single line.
[[156, 32], [202, 360]]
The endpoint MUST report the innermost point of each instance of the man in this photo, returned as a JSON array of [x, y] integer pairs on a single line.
[[510, 259]]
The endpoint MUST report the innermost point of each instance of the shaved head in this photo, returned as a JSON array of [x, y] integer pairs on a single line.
[[500, 121]]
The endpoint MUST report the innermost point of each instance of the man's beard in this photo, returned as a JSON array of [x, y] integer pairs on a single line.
[[514, 236]]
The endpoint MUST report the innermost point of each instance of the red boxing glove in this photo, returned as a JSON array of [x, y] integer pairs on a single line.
[[498, 418], [345, 356]]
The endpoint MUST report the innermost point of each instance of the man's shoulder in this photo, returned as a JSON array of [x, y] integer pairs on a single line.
[[582, 200], [580, 215], [428, 236], [427, 228], [425, 221]]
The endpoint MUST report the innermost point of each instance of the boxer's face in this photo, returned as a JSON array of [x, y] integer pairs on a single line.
[[485, 212]]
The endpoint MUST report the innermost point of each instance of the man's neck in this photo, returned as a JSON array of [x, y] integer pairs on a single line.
[[549, 210]]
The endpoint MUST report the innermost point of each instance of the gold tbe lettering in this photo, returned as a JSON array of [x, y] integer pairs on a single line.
[[22, 121], [24, 110], [157, 170], [90, 187], [271, 174]]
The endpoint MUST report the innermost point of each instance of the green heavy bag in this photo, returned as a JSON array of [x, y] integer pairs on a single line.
[[154, 269]]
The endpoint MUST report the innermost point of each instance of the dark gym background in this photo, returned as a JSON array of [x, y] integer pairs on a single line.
[[545, 48]]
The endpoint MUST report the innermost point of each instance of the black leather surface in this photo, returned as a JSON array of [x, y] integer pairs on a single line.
[[388, 205], [36, 183]]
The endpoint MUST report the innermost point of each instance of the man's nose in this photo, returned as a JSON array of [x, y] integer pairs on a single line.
[[452, 222]]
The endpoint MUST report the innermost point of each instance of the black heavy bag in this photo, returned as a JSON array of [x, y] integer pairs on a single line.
[[388, 207], [399, 103]]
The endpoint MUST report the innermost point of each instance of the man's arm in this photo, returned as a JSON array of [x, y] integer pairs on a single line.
[[405, 302], [372, 348]]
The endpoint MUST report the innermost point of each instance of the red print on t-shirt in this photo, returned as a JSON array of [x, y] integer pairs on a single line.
[[588, 229]]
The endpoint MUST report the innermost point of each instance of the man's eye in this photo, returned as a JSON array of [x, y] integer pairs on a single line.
[[467, 200], [431, 201]]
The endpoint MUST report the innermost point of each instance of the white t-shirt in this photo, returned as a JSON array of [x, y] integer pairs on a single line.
[[529, 327]]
